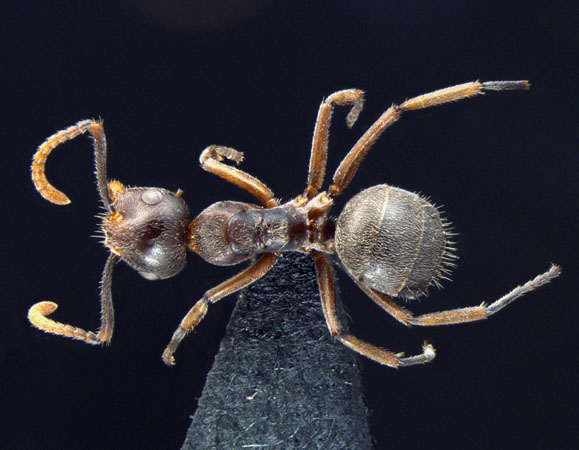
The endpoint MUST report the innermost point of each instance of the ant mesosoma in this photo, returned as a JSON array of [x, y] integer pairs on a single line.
[[391, 242]]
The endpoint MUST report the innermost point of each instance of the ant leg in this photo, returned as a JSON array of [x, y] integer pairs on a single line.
[[319, 152], [37, 314], [399, 313], [197, 313], [349, 165], [378, 354], [460, 315], [43, 186], [210, 160], [470, 314]]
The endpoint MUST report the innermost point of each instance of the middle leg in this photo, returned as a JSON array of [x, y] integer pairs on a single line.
[[319, 152]]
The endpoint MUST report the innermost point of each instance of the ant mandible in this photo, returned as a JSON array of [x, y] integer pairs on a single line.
[[391, 242]]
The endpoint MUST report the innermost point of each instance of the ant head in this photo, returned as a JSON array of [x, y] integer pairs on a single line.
[[147, 228]]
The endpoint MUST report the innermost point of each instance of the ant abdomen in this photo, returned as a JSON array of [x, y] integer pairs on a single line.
[[394, 241]]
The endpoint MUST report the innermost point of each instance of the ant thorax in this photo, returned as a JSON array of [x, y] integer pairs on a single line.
[[229, 232]]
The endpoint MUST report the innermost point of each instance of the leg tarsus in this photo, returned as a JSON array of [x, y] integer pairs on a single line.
[[386, 357], [354, 97], [219, 152], [427, 355], [544, 278], [506, 85]]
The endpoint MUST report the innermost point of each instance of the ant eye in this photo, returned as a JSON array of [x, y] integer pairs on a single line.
[[152, 196], [148, 231]]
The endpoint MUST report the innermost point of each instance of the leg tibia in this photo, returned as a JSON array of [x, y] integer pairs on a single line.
[[188, 324]]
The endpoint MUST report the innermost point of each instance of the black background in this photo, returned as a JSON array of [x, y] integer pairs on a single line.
[[170, 82]]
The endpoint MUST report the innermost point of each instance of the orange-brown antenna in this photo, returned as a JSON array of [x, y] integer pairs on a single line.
[[43, 186]]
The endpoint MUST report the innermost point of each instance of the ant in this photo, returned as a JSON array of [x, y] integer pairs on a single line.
[[391, 242]]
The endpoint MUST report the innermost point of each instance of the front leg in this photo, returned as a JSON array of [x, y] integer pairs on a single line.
[[210, 160]]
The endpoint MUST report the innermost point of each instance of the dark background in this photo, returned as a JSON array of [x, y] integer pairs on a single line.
[[251, 75]]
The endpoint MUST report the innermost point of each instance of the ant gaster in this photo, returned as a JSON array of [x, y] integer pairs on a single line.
[[391, 242]]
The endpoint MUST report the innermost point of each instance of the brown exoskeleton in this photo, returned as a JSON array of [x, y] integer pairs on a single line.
[[392, 243]]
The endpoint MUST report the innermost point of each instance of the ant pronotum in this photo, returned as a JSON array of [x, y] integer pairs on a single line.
[[392, 243]]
